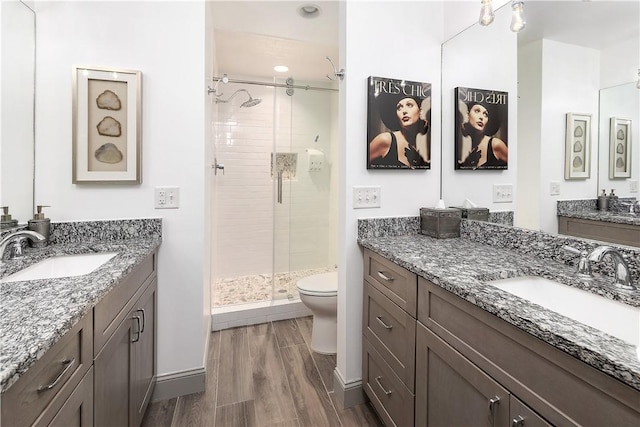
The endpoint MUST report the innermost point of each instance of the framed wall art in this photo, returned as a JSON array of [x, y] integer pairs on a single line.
[[107, 128], [577, 146], [398, 124], [482, 125], [620, 148]]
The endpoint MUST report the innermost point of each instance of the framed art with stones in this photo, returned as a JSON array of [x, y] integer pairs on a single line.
[[578, 146], [620, 148], [107, 128]]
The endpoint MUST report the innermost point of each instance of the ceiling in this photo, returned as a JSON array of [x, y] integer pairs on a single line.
[[252, 37], [594, 24]]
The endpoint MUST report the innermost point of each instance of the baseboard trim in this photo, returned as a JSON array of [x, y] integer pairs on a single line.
[[347, 395], [179, 384]]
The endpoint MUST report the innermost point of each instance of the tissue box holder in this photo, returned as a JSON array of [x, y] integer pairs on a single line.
[[479, 214], [440, 223]]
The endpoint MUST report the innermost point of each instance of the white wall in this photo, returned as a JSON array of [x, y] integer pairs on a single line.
[[570, 84], [529, 146], [377, 39], [465, 61], [164, 40]]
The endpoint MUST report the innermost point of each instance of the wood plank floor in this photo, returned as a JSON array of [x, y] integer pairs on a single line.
[[263, 375]]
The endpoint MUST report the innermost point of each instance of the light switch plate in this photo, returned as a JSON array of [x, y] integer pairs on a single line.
[[633, 186], [502, 193], [554, 188], [366, 197]]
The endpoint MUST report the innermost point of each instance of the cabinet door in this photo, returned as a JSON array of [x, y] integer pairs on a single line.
[[144, 353], [450, 390], [78, 409], [113, 377]]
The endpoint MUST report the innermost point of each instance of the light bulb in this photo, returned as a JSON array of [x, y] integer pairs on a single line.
[[486, 13], [517, 16]]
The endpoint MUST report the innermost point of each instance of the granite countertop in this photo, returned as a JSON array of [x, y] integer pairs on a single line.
[[464, 267], [35, 314]]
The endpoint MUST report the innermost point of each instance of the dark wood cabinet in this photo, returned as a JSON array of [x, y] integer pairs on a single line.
[[453, 363], [611, 232], [125, 367]]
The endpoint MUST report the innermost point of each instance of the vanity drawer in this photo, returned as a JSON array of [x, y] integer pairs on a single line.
[[393, 401], [115, 306], [395, 282], [392, 332], [49, 382]]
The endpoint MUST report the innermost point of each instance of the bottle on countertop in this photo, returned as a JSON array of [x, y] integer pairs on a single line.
[[613, 201], [41, 225], [5, 219], [603, 201]]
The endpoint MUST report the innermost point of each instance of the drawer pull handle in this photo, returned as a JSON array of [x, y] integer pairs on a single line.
[[492, 409], [137, 332], [383, 323], [518, 421], [69, 364], [383, 276], [382, 387], [143, 319]]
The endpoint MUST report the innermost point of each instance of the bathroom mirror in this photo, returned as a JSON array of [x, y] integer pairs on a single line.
[[567, 53], [621, 101], [18, 95]]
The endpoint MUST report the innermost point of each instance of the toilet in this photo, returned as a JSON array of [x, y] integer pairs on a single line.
[[319, 293]]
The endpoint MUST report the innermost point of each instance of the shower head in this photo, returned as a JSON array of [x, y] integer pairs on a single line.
[[249, 103]]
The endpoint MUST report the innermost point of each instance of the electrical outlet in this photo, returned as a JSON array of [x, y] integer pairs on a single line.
[[167, 197], [366, 197], [633, 186], [502, 193], [554, 188]]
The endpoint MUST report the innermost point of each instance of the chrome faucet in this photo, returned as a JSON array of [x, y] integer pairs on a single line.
[[623, 274], [14, 242]]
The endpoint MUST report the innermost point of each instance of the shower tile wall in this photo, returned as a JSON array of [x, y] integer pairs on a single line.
[[244, 196]]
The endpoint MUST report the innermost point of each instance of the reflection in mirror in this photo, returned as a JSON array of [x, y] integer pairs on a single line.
[[18, 94], [567, 53], [622, 101]]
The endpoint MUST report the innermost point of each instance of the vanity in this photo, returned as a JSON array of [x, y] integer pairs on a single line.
[[81, 350], [443, 346], [622, 228]]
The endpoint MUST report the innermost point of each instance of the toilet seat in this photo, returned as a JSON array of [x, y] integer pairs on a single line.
[[319, 285]]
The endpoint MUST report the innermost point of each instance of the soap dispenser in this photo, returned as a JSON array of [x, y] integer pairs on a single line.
[[5, 219], [41, 225], [603, 201]]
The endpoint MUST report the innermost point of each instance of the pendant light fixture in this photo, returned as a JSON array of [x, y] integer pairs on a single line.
[[517, 16], [486, 13]]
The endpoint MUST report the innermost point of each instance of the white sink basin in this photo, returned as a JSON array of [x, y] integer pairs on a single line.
[[61, 266], [612, 317]]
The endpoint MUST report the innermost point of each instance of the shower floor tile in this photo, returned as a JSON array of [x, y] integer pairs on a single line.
[[256, 288]]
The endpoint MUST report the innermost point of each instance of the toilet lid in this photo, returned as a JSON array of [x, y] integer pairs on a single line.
[[324, 283]]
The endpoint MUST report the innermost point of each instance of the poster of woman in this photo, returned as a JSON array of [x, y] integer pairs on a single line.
[[481, 129], [398, 132]]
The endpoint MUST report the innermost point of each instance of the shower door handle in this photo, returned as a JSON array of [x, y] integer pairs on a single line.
[[280, 187], [217, 166]]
